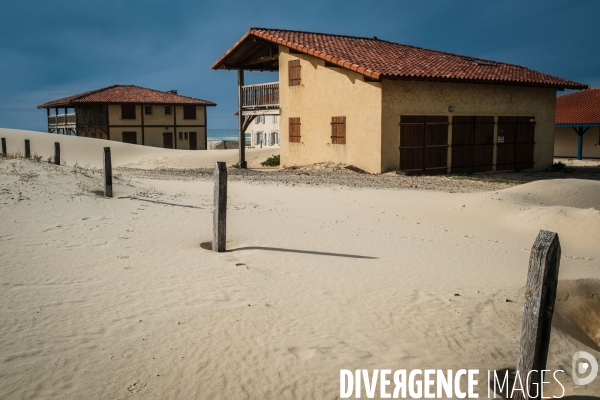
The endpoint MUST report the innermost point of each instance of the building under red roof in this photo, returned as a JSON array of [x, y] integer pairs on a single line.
[[578, 124], [123, 94], [381, 106]]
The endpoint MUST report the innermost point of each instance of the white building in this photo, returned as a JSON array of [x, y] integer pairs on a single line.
[[264, 131]]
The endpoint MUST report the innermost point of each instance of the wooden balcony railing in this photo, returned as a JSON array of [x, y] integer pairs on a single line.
[[91, 119], [261, 95], [61, 119]]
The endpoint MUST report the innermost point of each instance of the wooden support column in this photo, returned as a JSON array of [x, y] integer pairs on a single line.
[[220, 211], [241, 134], [56, 153], [174, 126], [48, 115], [580, 132], [205, 130], [538, 308], [143, 113], [4, 147], [27, 149], [107, 173]]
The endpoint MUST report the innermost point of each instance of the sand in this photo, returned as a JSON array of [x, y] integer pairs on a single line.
[[118, 298]]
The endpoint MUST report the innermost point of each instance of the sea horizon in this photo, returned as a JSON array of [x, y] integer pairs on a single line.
[[222, 134]]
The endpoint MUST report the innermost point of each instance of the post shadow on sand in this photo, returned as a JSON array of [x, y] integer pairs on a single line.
[[208, 246]]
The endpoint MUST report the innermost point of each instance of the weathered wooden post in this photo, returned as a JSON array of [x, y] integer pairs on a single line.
[[107, 173], [4, 147], [27, 149], [220, 212], [538, 308], [56, 153]]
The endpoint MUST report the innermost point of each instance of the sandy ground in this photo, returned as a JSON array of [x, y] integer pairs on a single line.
[[119, 298]]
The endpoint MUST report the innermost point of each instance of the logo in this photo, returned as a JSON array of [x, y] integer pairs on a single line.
[[582, 367]]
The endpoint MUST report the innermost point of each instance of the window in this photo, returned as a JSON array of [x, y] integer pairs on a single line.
[[338, 130], [180, 135], [93, 135], [185, 136], [294, 72], [189, 112], [168, 110], [274, 119], [294, 130], [127, 111], [148, 110]]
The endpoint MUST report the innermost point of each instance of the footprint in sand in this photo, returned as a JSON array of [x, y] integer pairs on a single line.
[[136, 387]]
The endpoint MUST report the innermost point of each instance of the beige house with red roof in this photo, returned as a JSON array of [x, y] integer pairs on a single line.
[[577, 131], [384, 106], [132, 114]]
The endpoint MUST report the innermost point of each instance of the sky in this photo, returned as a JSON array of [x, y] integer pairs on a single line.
[[52, 49]]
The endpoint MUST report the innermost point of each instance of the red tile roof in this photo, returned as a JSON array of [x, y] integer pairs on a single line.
[[380, 59], [579, 107], [118, 94]]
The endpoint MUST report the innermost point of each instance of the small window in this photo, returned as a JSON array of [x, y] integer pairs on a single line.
[[180, 135], [128, 111], [294, 130], [185, 135], [168, 110], [338, 130], [148, 110], [189, 112], [275, 119], [262, 118], [294, 72], [93, 135]]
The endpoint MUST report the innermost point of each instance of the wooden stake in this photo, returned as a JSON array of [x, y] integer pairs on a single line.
[[538, 308], [107, 173], [56, 153], [27, 149], [4, 147], [220, 212]]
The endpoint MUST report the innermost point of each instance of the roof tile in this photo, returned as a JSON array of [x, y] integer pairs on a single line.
[[579, 107]]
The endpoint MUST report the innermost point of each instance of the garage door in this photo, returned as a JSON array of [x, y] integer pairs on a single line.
[[424, 144], [472, 144], [515, 143]]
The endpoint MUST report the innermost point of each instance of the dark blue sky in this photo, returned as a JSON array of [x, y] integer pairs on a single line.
[[51, 49]]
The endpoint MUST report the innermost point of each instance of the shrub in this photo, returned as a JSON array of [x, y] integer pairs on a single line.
[[558, 166], [272, 161]]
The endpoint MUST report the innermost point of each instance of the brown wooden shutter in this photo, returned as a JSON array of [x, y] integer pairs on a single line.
[[294, 130], [128, 111], [189, 112], [338, 130], [294, 72]]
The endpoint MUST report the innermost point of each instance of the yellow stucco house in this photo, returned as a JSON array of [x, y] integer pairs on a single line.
[[384, 106], [132, 114]]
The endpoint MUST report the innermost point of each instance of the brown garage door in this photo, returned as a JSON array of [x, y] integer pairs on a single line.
[[472, 144], [515, 143], [424, 144]]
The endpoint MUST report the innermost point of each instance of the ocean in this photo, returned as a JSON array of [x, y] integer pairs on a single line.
[[222, 134]]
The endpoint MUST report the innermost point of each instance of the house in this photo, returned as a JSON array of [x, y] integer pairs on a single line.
[[577, 131], [132, 114], [384, 106], [263, 130]]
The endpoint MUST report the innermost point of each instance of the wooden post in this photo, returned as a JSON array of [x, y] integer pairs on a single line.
[[107, 173], [4, 147], [220, 212], [241, 134], [56, 153], [27, 149], [538, 308]]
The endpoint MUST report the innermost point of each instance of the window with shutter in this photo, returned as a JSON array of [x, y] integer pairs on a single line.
[[128, 111], [294, 72], [338, 130], [189, 112], [148, 110], [294, 130]]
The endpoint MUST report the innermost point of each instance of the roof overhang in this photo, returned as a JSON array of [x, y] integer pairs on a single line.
[[250, 53], [577, 125]]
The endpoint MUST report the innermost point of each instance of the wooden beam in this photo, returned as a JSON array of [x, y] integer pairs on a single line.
[[4, 147], [27, 149], [538, 308], [241, 134], [247, 121], [220, 211], [107, 173], [56, 153]]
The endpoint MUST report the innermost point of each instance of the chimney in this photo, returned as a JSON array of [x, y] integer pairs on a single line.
[[173, 91]]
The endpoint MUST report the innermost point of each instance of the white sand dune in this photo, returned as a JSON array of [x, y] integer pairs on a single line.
[[88, 152], [116, 298]]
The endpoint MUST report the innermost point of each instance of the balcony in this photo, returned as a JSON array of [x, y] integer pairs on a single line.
[[61, 120], [84, 119], [260, 99]]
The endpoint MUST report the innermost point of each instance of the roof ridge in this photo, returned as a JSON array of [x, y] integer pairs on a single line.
[[377, 39]]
